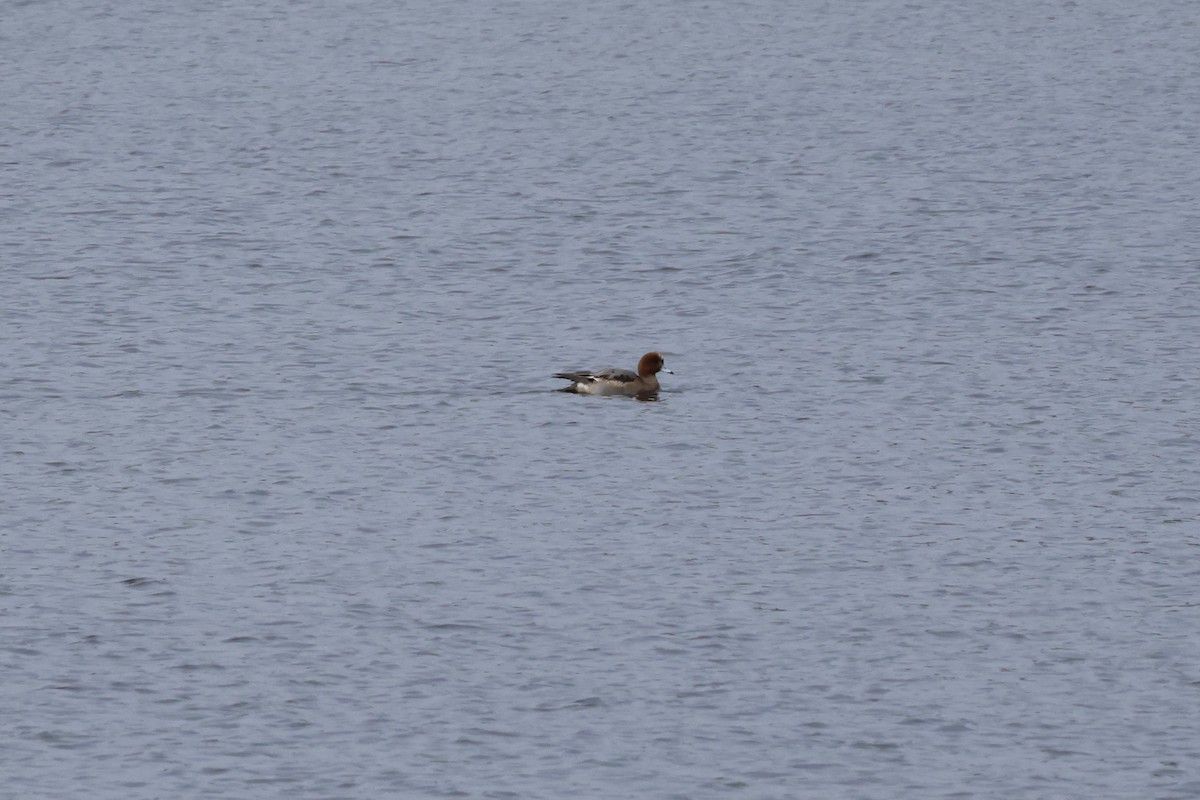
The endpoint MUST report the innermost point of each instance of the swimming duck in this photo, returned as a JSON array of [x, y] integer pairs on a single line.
[[618, 381]]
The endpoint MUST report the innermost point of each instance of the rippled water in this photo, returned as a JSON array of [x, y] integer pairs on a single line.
[[291, 511]]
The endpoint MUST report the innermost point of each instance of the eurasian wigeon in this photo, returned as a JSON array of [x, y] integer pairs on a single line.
[[618, 381]]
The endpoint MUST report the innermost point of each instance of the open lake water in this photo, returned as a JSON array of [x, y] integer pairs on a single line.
[[290, 509]]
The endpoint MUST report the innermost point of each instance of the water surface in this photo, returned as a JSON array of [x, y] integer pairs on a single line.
[[292, 511]]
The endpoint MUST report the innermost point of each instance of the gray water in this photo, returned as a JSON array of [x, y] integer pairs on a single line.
[[290, 509]]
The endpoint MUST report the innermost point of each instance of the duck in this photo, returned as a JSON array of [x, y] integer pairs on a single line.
[[614, 381]]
